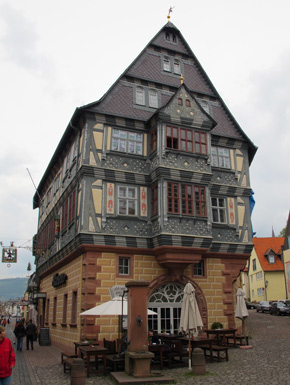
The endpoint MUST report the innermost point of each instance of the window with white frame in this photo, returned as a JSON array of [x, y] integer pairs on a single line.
[[254, 264], [220, 157], [218, 207], [125, 141], [153, 99], [271, 257], [177, 67], [127, 200], [253, 293], [140, 96], [124, 266], [146, 97], [166, 64], [198, 269]]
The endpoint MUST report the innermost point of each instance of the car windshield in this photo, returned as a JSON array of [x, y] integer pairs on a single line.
[[265, 303], [280, 304]]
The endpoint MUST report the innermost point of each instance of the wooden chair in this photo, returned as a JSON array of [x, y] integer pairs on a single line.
[[110, 345], [176, 352]]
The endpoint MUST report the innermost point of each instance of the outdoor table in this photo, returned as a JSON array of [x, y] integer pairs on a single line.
[[82, 343], [157, 348], [221, 335], [94, 351], [197, 342]]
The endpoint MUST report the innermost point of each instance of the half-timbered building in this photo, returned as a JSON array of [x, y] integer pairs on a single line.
[[151, 182]]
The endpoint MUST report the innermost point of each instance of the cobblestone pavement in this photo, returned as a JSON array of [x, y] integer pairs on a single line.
[[267, 363]]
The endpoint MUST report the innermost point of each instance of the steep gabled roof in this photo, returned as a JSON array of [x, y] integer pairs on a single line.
[[146, 68], [263, 246]]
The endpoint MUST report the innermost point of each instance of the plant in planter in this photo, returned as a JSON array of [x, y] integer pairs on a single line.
[[91, 342], [217, 325]]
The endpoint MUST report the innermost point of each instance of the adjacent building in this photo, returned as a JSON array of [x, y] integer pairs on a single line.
[[150, 183], [266, 270], [286, 257]]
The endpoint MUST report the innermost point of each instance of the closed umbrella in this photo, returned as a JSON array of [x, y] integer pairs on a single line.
[[190, 320], [241, 308]]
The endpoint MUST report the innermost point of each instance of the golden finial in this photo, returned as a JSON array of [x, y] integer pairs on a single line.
[[169, 12], [181, 79]]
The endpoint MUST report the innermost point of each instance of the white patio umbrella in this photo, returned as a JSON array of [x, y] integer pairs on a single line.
[[112, 307], [190, 320], [241, 308]]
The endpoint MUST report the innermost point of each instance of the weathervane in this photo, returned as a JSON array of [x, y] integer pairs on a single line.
[[169, 12]]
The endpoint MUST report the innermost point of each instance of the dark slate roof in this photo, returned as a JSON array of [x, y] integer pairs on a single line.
[[148, 67]]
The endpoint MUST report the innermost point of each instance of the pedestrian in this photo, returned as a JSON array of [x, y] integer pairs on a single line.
[[30, 333], [7, 358], [19, 332], [4, 322]]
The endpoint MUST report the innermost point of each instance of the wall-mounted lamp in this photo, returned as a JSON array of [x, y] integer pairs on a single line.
[[139, 320], [266, 283]]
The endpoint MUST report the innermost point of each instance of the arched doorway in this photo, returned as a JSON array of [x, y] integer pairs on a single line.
[[166, 299], [166, 302]]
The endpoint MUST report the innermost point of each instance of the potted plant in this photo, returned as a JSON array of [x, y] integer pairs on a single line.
[[217, 325]]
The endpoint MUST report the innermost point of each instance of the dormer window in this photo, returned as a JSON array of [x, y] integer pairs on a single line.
[[187, 103], [205, 106], [271, 257], [176, 67], [153, 99], [170, 37], [140, 96], [166, 64]]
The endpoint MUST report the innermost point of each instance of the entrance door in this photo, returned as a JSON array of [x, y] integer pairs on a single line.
[[166, 302]]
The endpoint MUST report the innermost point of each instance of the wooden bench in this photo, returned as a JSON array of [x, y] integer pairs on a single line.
[[221, 352], [240, 340]]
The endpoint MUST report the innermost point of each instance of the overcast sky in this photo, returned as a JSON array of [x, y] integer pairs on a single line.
[[61, 54]]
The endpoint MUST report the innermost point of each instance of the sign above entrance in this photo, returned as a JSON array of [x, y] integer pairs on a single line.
[[59, 279]]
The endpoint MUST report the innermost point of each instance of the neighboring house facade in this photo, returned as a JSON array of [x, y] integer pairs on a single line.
[[149, 183], [286, 258], [266, 270]]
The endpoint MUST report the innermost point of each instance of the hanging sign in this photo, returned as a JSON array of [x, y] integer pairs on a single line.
[[9, 255]]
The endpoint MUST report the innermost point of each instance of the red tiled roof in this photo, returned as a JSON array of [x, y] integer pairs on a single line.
[[262, 247]]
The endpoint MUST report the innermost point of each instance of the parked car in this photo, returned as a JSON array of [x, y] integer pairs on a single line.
[[250, 305], [279, 308], [263, 306]]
